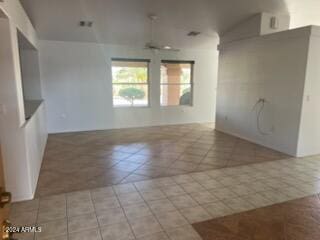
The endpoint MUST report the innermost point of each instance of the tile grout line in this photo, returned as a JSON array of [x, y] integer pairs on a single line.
[[67, 217], [195, 139], [154, 215], [122, 208], [269, 177], [96, 216], [38, 210]]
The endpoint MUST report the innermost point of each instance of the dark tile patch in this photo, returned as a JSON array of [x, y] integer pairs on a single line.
[[293, 220]]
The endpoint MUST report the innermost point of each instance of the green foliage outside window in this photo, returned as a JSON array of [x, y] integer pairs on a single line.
[[130, 75], [131, 94]]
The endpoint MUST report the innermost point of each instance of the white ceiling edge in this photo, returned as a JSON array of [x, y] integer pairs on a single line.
[[125, 22]]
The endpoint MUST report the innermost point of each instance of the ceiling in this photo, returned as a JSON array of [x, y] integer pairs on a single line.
[[125, 21]]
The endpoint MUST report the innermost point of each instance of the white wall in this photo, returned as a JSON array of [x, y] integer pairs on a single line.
[[21, 161], [309, 139], [259, 24], [272, 67], [246, 29], [11, 135], [18, 17], [35, 133], [283, 23], [303, 13], [77, 87]]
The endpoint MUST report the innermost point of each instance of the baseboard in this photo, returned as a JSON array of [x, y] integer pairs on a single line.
[[22, 198], [130, 127], [256, 142]]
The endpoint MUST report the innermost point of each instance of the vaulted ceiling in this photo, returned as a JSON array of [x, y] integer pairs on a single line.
[[125, 21]]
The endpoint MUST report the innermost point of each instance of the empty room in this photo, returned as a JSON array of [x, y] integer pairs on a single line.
[[159, 120]]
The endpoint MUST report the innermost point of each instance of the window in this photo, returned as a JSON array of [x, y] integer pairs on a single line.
[[176, 83], [130, 80]]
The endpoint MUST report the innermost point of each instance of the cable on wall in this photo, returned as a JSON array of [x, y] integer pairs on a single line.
[[262, 102]]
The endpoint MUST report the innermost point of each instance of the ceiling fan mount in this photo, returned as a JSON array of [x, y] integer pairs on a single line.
[[152, 44], [153, 17]]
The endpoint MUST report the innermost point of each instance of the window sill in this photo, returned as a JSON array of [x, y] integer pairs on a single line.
[[178, 106], [130, 107]]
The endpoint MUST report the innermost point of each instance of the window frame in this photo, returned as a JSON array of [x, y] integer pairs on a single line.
[[192, 63], [147, 61]]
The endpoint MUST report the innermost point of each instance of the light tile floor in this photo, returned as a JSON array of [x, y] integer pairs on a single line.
[[86, 160], [165, 208]]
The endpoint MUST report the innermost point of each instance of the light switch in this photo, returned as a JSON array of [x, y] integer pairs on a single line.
[[274, 23]]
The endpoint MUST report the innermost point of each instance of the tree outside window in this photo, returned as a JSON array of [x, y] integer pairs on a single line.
[[130, 83]]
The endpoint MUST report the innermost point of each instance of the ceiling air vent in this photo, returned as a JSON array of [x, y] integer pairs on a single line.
[[85, 23], [193, 33]]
